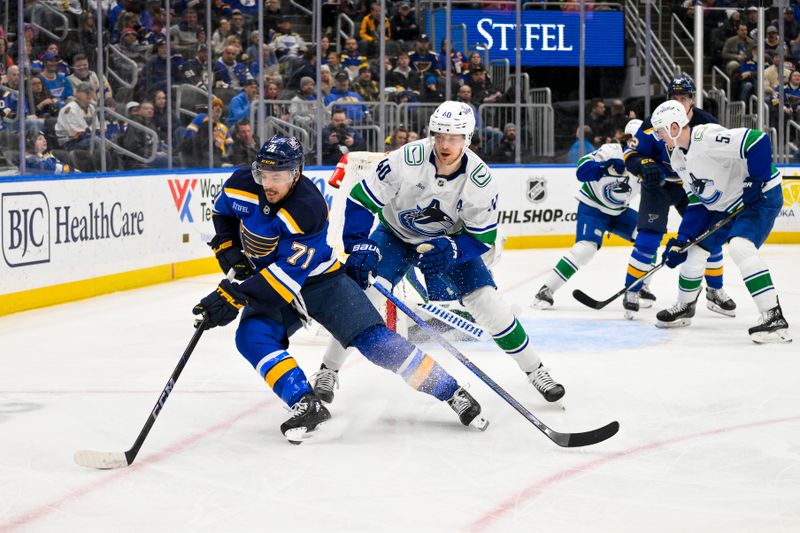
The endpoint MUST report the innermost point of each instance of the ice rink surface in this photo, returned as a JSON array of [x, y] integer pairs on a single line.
[[709, 438]]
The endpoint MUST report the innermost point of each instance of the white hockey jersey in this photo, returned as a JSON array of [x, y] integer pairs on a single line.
[[611, 194], [417, 205], [714, 167]]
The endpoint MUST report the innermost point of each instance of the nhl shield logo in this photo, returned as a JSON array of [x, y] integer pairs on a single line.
[[537, 189]]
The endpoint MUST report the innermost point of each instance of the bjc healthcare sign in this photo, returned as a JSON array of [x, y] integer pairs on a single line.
[[549, 38]]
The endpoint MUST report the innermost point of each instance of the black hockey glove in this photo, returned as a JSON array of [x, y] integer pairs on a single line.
[[221, 307], [651, 172], [672, 255], [362, 261], [440, 259], [230, 256]]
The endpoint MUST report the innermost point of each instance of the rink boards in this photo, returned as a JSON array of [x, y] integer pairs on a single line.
[[73, 237]]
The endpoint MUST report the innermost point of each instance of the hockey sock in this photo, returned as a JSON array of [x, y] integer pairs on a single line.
[[335, 355], [643, 255], [493, 314], [389, 350], [285, 378], [691, 274], [579, 255], [754, 272], [714, 270]]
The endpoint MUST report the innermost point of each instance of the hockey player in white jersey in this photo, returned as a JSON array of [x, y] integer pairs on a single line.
[[603, 206], [437, 192], [722, 169]]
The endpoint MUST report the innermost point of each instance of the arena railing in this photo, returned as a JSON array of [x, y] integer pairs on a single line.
[[40, 11], [119, 58], [151, 134]]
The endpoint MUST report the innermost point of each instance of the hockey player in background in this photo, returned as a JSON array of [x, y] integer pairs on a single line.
[[722, 169], [603, 206], [661, 188], [435, 192], [271, 227]]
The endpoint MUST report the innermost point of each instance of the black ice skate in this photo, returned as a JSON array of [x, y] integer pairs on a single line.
[[542, 382], [325, 381], [467, 409], [677, 316], [630, 302], [544, 298], [307, 415], [646, 298], [772, 327], [718, 301]]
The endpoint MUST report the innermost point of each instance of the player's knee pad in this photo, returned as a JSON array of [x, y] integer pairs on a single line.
[[583, 251], [383, 347], [695, 261], [489, 310], [740, 249], [647, 241]]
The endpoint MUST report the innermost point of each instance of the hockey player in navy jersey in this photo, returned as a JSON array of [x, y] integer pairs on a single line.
[[271, 226], [661, 188], [722, 169], [434, 192], [603, 207]]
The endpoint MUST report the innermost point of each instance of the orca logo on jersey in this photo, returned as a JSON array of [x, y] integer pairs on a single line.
[[616, 192], [704, 189], [429, 221]]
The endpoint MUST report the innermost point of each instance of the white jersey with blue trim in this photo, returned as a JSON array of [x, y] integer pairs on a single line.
[[715, 165], [418, 205], [612, 193]]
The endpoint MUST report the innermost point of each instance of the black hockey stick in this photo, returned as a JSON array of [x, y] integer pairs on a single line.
[[588, 301], [109, 460], [567, 440]]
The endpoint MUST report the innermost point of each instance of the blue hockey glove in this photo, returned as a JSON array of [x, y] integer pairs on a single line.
[[672, 255], [230, 256], [751, 192], [617, 164], [651, 172], [222, 306], [362, 261], [440, 259]]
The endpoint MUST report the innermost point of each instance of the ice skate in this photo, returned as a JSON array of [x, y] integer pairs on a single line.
[[646, 298], [325, 381], [467, 409], [630, 302], [307, 416], [772, 327], [677, 316], [543, 299], [718, 301], [548, 388]]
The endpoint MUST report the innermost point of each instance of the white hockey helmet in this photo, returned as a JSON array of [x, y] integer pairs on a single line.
[[633, 126], [454, 118], [669, 113]]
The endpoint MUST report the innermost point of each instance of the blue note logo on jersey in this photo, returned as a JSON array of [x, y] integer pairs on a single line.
[[704, 189], [429, 221]]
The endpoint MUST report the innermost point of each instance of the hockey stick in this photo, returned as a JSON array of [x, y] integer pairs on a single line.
[[110, 460], [567, 440], [588, 301]]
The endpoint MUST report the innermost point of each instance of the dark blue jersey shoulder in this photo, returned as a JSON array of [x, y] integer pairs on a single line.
[[306, 207], [700, 116]]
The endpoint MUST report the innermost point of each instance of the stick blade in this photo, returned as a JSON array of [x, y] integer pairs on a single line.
[[587, 300], [586, 438], [100, 460]]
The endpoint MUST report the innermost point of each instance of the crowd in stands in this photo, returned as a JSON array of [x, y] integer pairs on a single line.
[[63, 90]]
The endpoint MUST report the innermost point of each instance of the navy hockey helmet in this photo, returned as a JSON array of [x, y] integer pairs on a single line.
[[681, 85], [279, 153]]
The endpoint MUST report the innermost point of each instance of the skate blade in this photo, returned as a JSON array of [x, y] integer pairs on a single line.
[[680, 323], [717, 309], [301, 434], [769, 337], [630, 315], [645, 304], [479, 423], [541, 304]]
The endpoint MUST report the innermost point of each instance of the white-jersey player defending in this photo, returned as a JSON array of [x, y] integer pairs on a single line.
[[436, 192], [603, 207], [722, 169]]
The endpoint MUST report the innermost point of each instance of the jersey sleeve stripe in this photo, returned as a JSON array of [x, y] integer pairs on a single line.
[[475, 229], [752, 137], [358, 195], [584, 159], [487, 237], [277, 286], [287, 219], [284, 278], [241, 195], [372, 195]]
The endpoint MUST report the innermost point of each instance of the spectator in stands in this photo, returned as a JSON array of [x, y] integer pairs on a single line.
[[239, 108], [271, 67], [366, 87], [748, 76], [772, 40], [6, 61], [303, 113], [483, 92], [791, 31], [77, 121], [403, 75], [737, 49], [465, 95], [456, 59], [752, 19], [326, 82], [475, 144], [432, 93], [771, 80], [369, 33], [277, 110], [244, 150], [337, 134], [238, 29], [597, 121], [44, 105], [38, 159], [60, 65], [229, 73], [722, 33], [506, 150], [9, 100], [332, 62], [575, 150], [184, 34], [619, 119], [404, 26], [194, 147], [354, 9], [791, 92], [219, 36], [422, 59], [351, 60], [154, 73], [56, 83], [131, 47], [141, 143], [194, 71], [248, 8], [272, 15], [398, 138], [288, 45], [306, 67], [161, 119], [347, 99], [81, 73], [132, 109]]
